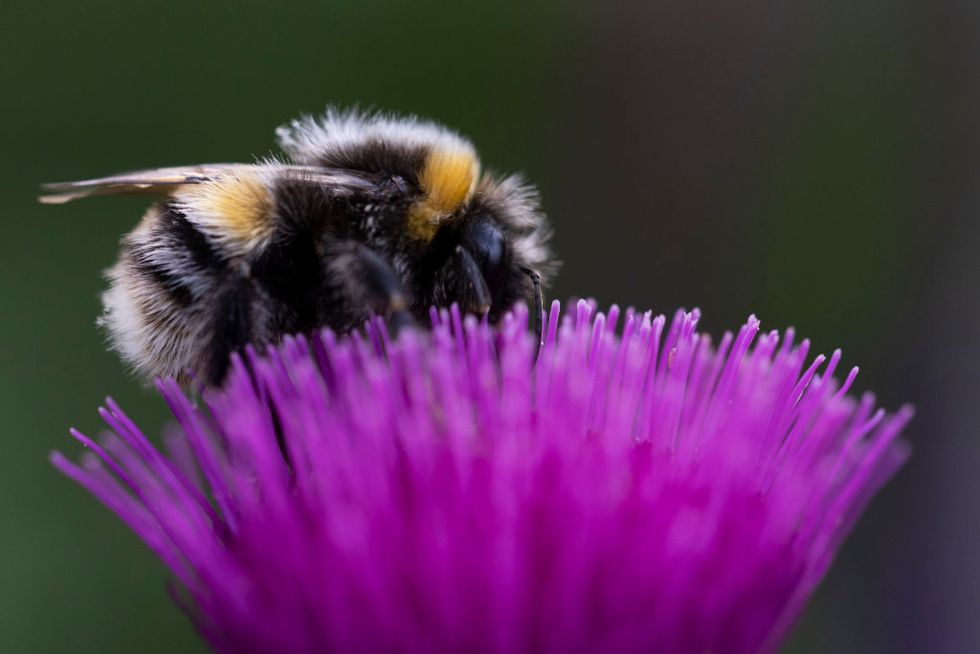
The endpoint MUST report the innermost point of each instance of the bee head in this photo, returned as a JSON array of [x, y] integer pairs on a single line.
[[476, 236], [482, 257]]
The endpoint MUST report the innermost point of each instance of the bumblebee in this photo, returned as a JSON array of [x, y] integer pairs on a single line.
[[365, 214]]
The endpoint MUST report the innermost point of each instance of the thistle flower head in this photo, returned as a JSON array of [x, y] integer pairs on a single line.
[[637, 490]]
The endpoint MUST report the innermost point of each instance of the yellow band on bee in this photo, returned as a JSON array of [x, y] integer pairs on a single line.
[[448, 179], [236, 209]]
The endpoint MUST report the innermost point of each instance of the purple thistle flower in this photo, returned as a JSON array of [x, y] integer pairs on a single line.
[[638, 493]]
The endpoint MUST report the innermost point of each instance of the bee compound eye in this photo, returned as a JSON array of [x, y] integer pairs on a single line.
[[485, 242]]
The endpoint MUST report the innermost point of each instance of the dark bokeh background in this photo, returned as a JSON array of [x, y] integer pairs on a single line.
[[813, 161]]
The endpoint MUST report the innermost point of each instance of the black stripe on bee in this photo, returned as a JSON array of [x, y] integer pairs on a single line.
[[176, 226], [169, 281], [173, 230], [380, 157]]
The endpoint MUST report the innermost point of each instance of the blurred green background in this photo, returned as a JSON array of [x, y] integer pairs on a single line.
[[812, 161]]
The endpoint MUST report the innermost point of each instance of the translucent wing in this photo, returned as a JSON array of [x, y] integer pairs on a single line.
[[161, 181]]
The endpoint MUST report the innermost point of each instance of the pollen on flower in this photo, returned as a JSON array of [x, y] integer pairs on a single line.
[[639, 489]]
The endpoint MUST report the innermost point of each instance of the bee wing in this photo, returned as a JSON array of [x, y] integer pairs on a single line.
[[161, 181]]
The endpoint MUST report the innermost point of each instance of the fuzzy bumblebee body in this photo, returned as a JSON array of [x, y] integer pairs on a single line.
[[368, 215]]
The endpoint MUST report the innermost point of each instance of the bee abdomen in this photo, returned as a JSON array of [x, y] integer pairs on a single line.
[[155, 308]]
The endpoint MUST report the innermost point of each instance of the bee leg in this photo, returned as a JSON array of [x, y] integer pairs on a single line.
[[390, 295], [231, 329], [475, 296], [370, 280], [538, 310]]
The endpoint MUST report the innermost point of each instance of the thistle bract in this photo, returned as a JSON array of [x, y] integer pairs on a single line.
[[636, 490]]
